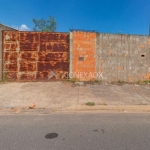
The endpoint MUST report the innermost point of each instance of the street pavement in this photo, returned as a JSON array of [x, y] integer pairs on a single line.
[[75, 131]]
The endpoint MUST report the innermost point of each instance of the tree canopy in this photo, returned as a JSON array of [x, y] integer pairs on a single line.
[[43, 25]]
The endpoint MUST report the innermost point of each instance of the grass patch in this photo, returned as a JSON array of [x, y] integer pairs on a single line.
[[93, 82], [4, 79], [146, 81], [97, 81], [90, 103], [143, 82], [72, 80], [121, 82]]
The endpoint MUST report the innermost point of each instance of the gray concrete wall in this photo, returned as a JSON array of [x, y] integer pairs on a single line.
[[70, 53], [2, 27], [123, 57]]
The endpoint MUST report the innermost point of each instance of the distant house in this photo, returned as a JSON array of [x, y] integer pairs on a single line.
[[5, 27], [2, 27]]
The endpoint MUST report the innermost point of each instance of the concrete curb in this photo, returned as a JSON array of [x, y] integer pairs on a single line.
[[80, 108], [117, 108]]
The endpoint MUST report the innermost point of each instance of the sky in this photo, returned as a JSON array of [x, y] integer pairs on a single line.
[[108, 16]]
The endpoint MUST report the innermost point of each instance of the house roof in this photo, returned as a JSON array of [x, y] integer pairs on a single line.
[[7, 26]]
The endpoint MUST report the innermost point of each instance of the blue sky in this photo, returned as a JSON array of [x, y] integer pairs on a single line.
[[110, 16]]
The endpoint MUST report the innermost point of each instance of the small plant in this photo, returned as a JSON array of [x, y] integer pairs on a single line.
[[138, 82], [72, 80], [90, 103], [92, 81], [143, 82], [121, 82], [97, 81], [4, 78], [146, 81]]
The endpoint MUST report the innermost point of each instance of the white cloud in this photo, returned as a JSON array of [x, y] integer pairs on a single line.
[[23, 27]]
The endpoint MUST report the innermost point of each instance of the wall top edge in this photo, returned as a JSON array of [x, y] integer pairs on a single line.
[[98, 33], [105, 33], [33, 31]]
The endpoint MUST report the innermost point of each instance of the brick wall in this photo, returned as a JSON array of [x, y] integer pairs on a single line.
[[83, 55]]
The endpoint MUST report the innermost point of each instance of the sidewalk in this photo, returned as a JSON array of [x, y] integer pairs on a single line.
[[65, 96]]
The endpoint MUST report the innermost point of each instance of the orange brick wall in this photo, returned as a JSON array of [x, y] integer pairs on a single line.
[[147, 76], [83, 47]]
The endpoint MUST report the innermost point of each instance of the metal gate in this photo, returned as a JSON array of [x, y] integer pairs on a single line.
[[34, 56]]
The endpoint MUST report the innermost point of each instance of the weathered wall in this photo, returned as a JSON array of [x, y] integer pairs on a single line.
[[2, 27], [109, 57], [123, 57], [31, 56], [82, 54]]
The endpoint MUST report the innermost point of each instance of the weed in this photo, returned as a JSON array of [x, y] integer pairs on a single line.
[[72, 80], [5, 79], [90, 103], [143, 82], [92, 82], [146, 81], [97, 81], [138, 82], [121, 82]]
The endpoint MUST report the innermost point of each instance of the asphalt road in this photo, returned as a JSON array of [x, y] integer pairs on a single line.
[[93, 131]]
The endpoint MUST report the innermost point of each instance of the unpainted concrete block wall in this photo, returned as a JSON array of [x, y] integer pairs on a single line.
[[82, 54], [123, 57], [111, 61]]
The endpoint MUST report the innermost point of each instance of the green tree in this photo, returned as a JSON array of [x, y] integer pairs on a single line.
[[45, 25]]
